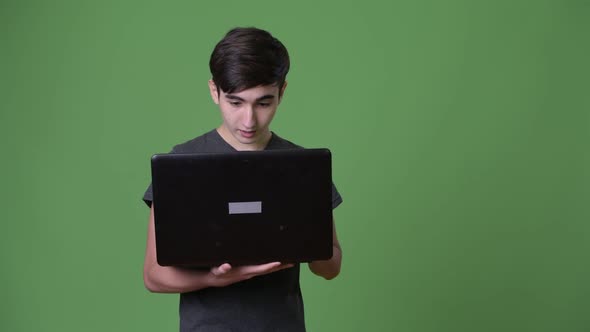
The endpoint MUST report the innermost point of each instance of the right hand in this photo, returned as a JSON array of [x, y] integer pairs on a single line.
[[225, 274]]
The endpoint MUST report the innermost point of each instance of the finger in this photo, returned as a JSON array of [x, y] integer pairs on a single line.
[[274, 269], [257, 269], [282, 267], [267, 268], [221, 270]]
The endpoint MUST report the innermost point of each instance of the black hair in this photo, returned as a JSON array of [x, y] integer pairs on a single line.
[[246, 58]]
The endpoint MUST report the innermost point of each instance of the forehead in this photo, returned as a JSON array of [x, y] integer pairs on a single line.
[[255, 92]]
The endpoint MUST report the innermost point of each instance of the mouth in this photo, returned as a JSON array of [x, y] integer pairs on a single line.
[[247, 133]]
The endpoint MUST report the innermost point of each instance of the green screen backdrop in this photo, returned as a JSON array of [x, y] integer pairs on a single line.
[[460, 134]]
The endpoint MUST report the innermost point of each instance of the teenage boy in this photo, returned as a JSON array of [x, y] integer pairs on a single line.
[[248, 67]]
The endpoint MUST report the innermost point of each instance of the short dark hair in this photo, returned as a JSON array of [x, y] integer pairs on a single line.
[[246, 58]]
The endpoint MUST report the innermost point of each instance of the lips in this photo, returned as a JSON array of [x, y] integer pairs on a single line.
[[247, 133]]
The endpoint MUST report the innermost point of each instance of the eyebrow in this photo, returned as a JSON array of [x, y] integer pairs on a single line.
[[234, 97]]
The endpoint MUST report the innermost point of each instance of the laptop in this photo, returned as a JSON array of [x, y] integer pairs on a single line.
[[247, 207]]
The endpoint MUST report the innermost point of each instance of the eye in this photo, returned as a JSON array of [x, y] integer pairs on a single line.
[[264, 104], [235, 103]]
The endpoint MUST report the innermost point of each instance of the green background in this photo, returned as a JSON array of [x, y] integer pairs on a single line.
[[459, 132]]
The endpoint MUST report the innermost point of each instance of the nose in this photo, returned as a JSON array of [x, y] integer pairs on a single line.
[[249, 119]]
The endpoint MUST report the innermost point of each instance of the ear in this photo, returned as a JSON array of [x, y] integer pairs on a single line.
[[214, 92], [282, 92]]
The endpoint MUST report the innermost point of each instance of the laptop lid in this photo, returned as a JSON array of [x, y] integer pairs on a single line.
[[247, 207]]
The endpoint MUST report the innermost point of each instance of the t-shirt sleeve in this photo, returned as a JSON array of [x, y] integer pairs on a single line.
[[336, 198], [148, 196]]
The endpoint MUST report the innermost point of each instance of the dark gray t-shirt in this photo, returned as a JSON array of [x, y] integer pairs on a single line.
[[271, 302]]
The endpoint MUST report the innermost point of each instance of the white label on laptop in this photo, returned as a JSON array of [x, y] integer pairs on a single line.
[[244, 207]]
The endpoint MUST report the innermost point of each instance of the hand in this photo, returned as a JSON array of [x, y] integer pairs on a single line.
[[225, 274]]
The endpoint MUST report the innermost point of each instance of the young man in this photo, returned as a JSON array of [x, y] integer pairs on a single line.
[[249, 67]]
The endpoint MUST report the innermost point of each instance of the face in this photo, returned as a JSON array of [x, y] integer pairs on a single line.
[[247, 115]]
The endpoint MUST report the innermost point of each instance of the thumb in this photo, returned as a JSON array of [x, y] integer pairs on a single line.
[[221, 270]]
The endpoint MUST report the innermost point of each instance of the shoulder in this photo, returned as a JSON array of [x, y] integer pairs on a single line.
[[280, 143]]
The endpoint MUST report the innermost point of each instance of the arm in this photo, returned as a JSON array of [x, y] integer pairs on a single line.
[[330, 268], [168, 279]]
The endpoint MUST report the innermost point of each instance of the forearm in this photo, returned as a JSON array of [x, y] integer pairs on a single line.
[[328, 269], [168, 279]]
